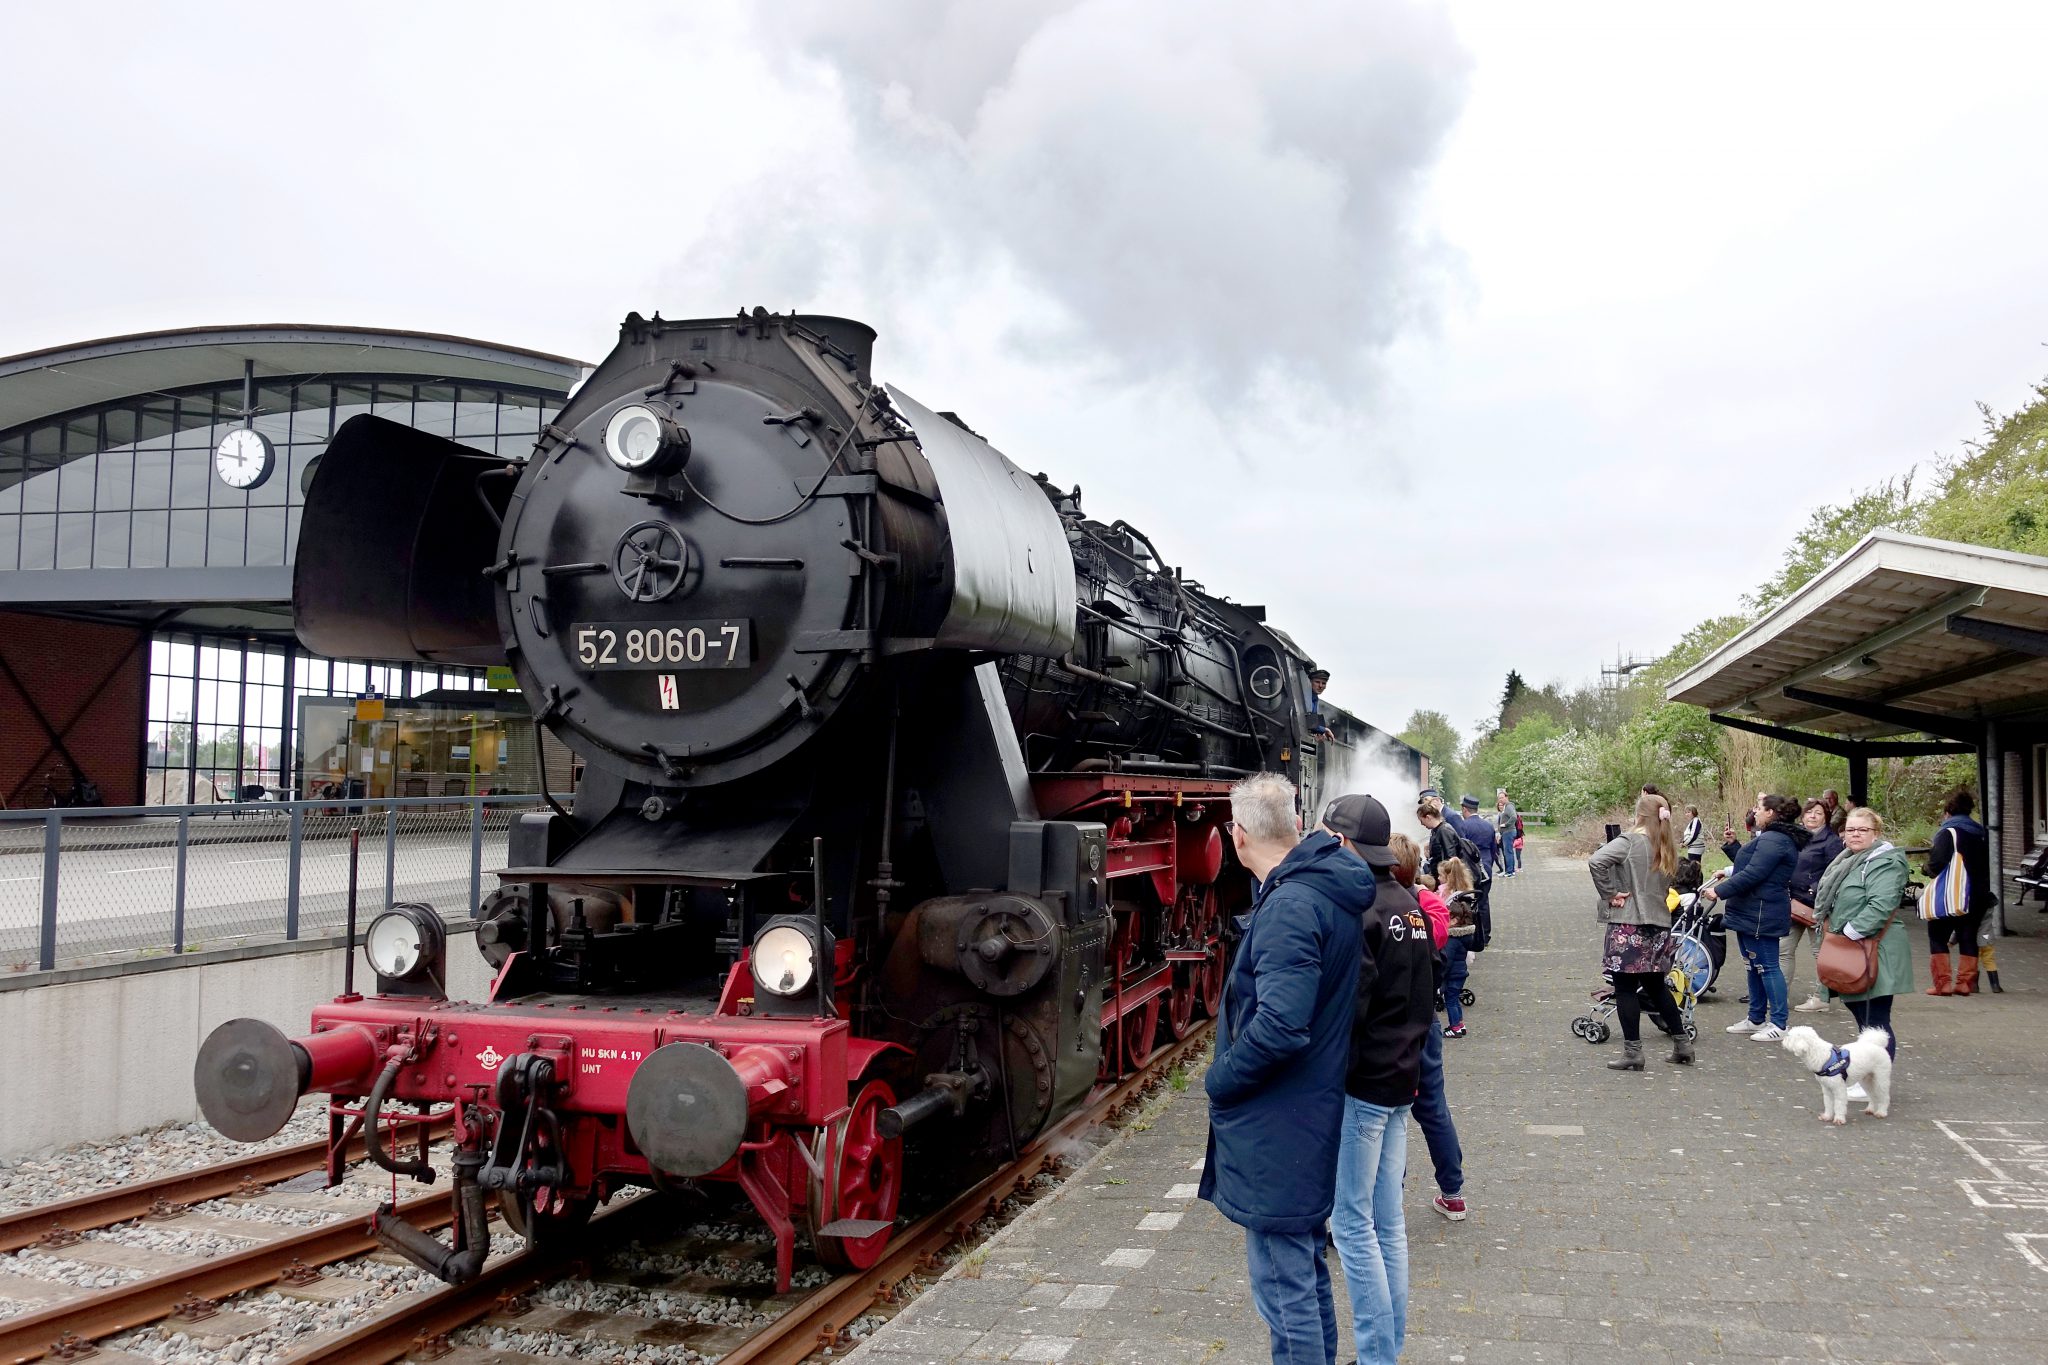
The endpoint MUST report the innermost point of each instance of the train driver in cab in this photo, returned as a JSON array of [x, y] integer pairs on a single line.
[[1318, 679]]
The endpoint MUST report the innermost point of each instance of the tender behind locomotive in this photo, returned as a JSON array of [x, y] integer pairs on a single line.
[[901, 808]]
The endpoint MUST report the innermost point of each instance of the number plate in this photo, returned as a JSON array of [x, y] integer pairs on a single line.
[[601, 645]]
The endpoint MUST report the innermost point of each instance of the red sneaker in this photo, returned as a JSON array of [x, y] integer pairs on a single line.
[[1451, 1207]]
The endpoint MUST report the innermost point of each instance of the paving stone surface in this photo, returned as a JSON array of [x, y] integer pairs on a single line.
[[1680, 1214]]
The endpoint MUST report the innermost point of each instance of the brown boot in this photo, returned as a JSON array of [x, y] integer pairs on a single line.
[[1939, 963], [1966, 976]]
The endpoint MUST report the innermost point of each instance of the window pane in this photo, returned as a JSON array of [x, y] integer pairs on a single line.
[[195, 420], [266, 666], [476, 415], [75, 494], [10, 496], [266, 535], [82, 434], [39, 491], [191, 478], [74, 540], [152, 478], [395, 402], [149, 540], [188, 539], [115, 473], [311, 404], [267, 706], [10, 540], [110, 540], [38, 540], [157, 418], [121, 427], [225, 531]]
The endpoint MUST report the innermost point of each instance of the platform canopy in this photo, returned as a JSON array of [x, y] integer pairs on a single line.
[[1901, 636]]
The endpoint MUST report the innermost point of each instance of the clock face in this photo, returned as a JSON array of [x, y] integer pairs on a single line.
[[243, 458]]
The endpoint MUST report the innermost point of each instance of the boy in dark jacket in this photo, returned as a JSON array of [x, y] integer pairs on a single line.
[[1276, 1086], [1394, 1011]]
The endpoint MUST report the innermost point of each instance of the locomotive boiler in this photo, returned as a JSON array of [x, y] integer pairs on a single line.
[[899, 825]]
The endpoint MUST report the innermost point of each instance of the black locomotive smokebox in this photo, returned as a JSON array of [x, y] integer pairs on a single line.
[[249, 1077], [687, 1109]]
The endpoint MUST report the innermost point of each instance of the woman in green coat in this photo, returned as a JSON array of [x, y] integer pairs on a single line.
[[1859, 895]]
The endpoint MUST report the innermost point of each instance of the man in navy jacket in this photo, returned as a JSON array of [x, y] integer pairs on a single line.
[[1276, 1086]]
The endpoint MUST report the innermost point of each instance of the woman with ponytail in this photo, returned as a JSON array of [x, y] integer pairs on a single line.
[[1633, 877]]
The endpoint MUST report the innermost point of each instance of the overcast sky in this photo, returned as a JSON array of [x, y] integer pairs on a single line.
[[1502, 336]]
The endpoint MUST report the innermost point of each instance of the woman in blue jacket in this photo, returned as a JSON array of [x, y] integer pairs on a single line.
[[1757, 905]]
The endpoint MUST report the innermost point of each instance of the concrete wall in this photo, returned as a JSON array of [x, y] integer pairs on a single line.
[[90, 1059]]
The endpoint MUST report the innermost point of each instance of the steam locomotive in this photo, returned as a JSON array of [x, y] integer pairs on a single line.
[[900, 821]]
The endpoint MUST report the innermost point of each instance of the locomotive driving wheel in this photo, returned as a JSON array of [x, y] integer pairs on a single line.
[[1137, 1030], [1180, 1003], [861, 1182]]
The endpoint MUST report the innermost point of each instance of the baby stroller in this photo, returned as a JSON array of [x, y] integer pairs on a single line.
[[1464, 924], [1692, 967]]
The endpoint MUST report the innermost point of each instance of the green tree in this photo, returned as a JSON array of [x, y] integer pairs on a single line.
[[1433, 733], [1831, 532], [1511, 694], [1997, 494]]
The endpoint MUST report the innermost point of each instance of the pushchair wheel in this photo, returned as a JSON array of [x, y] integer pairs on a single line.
[[1692, 1030], [1600, 1031], [1585, 1027], [1439, 1002], [1466, 998]]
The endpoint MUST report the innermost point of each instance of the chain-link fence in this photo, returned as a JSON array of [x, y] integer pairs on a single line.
[[87, 886]]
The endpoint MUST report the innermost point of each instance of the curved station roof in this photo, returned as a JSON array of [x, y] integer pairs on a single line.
[[109, 507], [44, 384]]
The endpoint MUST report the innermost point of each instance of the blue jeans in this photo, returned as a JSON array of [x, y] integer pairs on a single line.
[[1291, 1290], [1507, 855], [1371, 1237], [1433, 1112], [1457, 966], [1766, 981]]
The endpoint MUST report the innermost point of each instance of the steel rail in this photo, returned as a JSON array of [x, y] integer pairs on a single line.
[[821, 1320], [140, 1302], [166, 1195], [816, 1322]]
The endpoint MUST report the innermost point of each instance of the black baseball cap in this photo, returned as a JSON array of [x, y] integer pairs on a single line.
[[1469, 802], [1363, 821], [1322, 673]]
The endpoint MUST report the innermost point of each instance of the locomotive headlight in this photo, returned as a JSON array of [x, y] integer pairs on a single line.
[[785, 956], [407, 943], [644, 439]]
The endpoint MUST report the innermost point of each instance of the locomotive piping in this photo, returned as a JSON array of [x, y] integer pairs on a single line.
[[373, 1138], [1132, 689], [455, 1265]]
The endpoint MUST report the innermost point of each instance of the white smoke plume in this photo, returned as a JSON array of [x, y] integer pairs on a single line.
[[1378, 768], [1201, 191]]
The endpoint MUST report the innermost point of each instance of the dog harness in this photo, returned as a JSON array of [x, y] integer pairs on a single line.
[[1836, 1065]]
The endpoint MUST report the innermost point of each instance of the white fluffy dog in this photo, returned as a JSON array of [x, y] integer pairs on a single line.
[[1863, 1062]]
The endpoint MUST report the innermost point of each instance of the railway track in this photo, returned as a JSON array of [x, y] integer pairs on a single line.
[[168, 1196], [421, 1324]]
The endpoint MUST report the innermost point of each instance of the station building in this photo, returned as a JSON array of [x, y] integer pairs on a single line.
[[1901, 648], [150, 495]]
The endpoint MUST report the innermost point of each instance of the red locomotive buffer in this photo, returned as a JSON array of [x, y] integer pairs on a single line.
[[900, 822]]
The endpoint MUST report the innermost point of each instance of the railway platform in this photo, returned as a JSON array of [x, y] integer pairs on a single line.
[[1671, 1216]]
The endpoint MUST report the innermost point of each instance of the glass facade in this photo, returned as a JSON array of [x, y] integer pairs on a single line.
[[131, 485], [224, 714]]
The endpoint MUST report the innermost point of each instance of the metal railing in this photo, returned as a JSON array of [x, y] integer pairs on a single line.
[[84, 886]]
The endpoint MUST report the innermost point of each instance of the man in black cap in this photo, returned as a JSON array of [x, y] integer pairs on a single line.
[[1318, 679], [1394, 1011], [1481, 832]]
